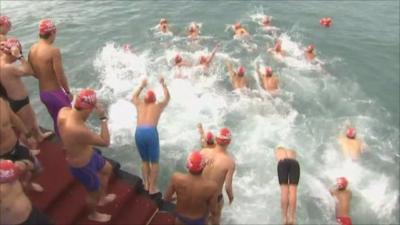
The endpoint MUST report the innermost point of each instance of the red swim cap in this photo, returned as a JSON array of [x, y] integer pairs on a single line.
[[6, 46], [241, 71], [46, 26], [342, 182], [86, 99], [351, 133], [210, 138], [9, 172], [278, 45], [195, 162], [326, 21], [203, 59], [5, 21], [150, 97], [178, 58], [224, 136], [268, 71]]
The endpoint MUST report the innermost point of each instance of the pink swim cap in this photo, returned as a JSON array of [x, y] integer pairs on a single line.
[[5, 21], [268, 71], [342, 183], [210, 138], [241, 71], [9, 172], [6, 46], [46, 26], [224, 136], [86, 99], [195, 162], [351, 133], [150, 97], [178, 58]]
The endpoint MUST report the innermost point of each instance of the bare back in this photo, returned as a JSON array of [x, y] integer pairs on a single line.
[[351, 147], [270, 83], [15, 206], [239, 82], [343, 199], [78, 153], [7, 135], [148, 114], [194, 195], [41, 59], [282, 153], [218, 166]]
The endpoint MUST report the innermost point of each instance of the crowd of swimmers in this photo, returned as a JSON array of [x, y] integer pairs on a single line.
[[198, 194]]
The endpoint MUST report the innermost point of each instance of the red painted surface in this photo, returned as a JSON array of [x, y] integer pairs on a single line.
[[63, 200]]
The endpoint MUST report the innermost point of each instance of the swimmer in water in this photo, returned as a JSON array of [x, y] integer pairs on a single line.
[[342, 196], [238, 78], [351, 145], [266, 21], [309, 53], [164, 27], [206, 139], [277, 50], [288, 176], [240, 31], [5, 27], [206, 60], [269, 81], [193, 31]]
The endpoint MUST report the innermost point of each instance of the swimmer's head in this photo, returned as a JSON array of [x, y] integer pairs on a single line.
[[163, 21], [310, 49], [178, 59], [86, 99], [224, 137], [195, 163], [237, 26], [351, 133], [268, 71], [203, 59], [150, 97], [209, 138], [241, 70], [9, 172], [9, 44], [193, 27], [5, 24], [342, 183], [266, 20], [278, 45], [46, 28]]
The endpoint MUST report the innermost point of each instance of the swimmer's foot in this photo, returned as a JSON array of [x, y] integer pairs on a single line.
[[37, 187], [107, 199], [99, 217]]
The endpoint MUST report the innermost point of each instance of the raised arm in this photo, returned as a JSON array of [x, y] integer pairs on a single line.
[[228, 183], [25, 68], [201, 132], [258, 72], [89, 137], [230, 69], [213, 53], [165, 101], [135, 98], [59, 71]]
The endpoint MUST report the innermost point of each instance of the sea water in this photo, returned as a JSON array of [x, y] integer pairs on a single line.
[[356, 79]]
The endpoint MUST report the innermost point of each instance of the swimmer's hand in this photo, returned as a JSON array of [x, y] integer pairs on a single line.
[[100, 111], [162, 81], [16, 52], [144, 83], [32, 143]]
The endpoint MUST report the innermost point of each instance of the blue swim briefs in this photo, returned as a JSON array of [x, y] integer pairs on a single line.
[[147, 142]]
